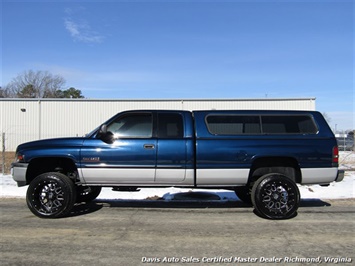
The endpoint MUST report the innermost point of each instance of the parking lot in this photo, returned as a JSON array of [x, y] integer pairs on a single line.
[[111, 232]]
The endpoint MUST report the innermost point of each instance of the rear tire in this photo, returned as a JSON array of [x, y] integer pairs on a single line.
[[87, 193], [51, 195], [275, 196], [244, 194]]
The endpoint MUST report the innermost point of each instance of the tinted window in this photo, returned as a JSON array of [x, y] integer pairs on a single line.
[[288, 125], [132, 126], [273, 124], [170, 126], [233, 125]]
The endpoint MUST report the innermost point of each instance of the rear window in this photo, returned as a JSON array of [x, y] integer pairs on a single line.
[[288, 124], [233, 125], [260, 124]]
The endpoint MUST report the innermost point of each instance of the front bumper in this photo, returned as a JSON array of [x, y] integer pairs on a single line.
[[340, 175], [18, 172]]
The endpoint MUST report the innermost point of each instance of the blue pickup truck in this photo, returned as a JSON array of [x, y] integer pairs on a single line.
[[261, 155]]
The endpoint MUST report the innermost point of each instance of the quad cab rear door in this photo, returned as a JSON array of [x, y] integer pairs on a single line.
[[171, 148]]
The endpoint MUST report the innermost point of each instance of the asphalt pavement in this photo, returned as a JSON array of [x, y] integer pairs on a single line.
[[178, 233]]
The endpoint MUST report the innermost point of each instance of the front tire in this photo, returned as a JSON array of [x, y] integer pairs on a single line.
[[51, 195], [275, 196]]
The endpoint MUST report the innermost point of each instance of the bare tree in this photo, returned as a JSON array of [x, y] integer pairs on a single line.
[[5, 93], [36, 84], [2, 93], [327, 117]]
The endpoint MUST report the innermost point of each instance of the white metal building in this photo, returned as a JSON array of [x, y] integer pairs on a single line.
[[23, 120]]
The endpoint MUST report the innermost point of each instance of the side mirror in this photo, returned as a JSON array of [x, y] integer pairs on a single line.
[[103, 129], [104, 135]]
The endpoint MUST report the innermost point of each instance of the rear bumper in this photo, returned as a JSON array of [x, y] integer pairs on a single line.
[[340, 175], [18, 172], [321, 176]]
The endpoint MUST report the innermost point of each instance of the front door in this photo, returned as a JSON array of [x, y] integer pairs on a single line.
[[125, 154]]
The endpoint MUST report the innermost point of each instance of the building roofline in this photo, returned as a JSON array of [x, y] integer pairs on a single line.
[[150, 100]]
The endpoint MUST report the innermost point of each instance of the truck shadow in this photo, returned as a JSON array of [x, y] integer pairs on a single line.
[[314, 203], [187, 200]]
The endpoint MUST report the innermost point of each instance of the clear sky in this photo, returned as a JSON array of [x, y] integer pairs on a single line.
[[189, 49]]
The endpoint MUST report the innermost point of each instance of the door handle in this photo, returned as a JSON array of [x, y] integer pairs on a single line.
[[149, 146]]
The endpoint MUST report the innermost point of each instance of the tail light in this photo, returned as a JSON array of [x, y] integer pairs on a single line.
[[335, 154]]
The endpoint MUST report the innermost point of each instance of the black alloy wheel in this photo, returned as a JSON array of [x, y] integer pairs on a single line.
[[275, 196], [51, 195]]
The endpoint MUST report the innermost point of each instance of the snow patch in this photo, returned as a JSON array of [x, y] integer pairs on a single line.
[[336, 190]]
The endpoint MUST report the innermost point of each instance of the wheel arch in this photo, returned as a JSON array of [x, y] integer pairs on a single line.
[[42, 165], [287, 166]]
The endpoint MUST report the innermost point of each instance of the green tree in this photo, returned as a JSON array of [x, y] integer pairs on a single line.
[[28, 91], [70, 93]]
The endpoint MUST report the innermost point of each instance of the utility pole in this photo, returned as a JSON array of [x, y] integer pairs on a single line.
[[3, 152]]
